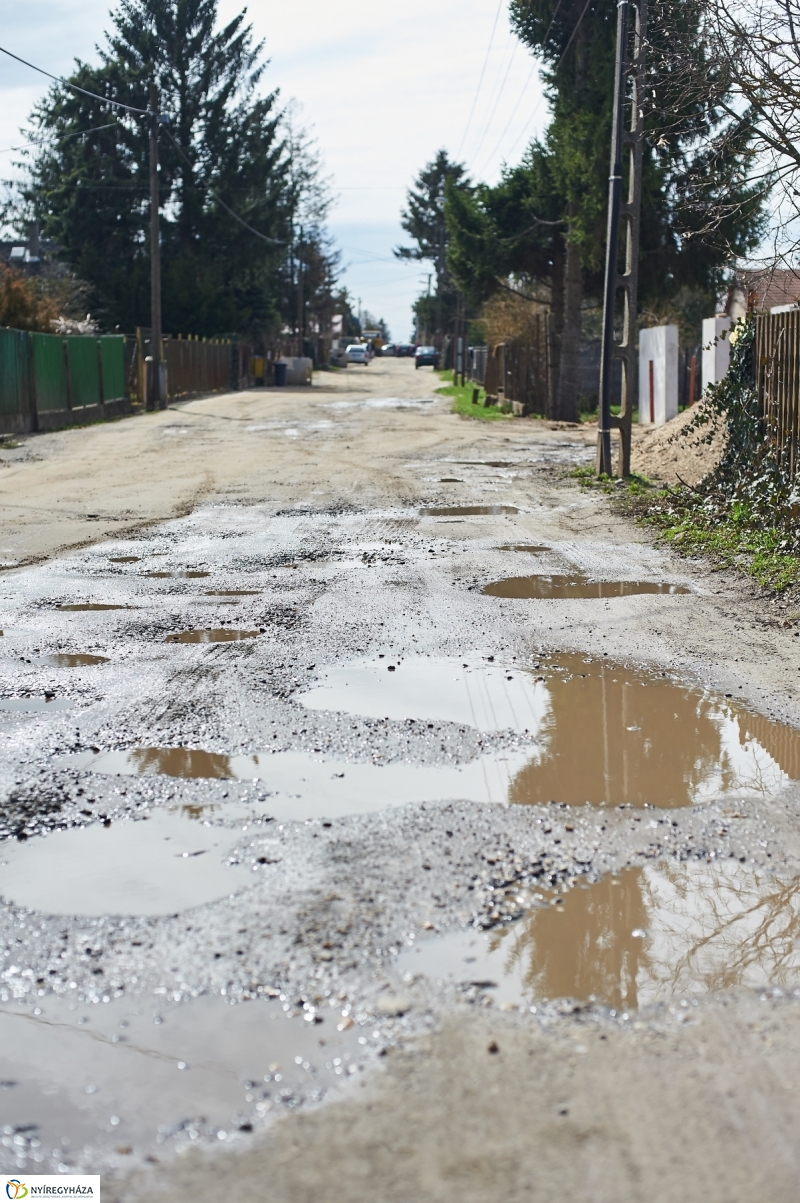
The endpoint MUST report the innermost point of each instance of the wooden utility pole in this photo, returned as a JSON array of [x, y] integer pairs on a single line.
[[623, 226], [155, 399]]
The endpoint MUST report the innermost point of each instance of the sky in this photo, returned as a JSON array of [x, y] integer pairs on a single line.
[[381, 88]]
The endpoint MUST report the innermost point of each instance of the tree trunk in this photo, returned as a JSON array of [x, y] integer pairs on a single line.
[[556, 325], [569, 359]]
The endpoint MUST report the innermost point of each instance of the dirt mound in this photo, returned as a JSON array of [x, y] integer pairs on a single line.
[[657, 452]]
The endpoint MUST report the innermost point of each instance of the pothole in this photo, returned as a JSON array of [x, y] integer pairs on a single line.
[[211, 635], [533, 548], [636, 937], [32, 704], [487, 697], [302, 786], [124, 559], [79, 606], [232, 592], [71, 660], [156, 865], [603, 733], [183, 575], [106, 1083], [467, 511], [575, 585]]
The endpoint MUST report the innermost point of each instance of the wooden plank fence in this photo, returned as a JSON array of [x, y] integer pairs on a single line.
[[777, 378]]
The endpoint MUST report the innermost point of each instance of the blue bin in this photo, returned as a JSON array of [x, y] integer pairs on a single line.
[[280, 375]]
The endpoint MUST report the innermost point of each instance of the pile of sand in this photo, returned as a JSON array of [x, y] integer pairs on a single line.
[[660, 453]]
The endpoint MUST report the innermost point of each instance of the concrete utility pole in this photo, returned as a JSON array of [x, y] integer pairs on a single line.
[[300, 314], [155, 400], [625, 214]]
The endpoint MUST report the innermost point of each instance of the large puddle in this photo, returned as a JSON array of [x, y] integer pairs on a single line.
[[90, 1084], [216, 635], [29, 705], [151, 866], [575, 585], [303, 786], [81, 606], [71, 660], [643, 935], [603, 733], [467, 511]]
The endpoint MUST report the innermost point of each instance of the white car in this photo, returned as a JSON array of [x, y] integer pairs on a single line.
[[358, 353]]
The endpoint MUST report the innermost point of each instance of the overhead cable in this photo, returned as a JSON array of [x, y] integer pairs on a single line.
[[75, 88], [480, 81]]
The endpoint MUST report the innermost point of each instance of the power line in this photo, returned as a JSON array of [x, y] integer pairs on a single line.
[[511, 118], [62, 138], [480, 81], [219, 200], [66, 84], [496, 103], [572, 35]]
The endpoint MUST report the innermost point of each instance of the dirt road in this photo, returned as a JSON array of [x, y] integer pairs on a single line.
[[386, 819]]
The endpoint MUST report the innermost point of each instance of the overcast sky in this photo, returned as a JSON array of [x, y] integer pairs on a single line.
[[381, 87]]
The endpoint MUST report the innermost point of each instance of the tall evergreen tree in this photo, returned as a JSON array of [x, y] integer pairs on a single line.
[[424, 219], [91, 191], [546, 218]]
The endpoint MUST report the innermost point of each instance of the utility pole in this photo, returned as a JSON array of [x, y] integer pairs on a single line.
[[155, 400], [623, 219], [300, 315]]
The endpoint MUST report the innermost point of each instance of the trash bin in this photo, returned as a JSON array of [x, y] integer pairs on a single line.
[[280, 374]]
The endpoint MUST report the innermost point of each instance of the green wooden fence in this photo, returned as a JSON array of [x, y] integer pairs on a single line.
[[44, 374]]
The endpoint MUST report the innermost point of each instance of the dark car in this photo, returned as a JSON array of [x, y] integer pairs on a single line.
[[406, 350], [426, 357]]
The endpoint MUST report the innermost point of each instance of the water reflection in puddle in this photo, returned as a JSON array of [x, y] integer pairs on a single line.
[[302, 786], [92, 606], [601, 732], [124, 559], [219, 635], [467, 511], [574, 585], [531, 547], [167, 1073], [153, 866], [71, 660], [488, 697], [232, 592], [637, 937], [31, 704]]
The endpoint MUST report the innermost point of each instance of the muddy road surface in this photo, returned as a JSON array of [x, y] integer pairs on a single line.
[[384, 819]]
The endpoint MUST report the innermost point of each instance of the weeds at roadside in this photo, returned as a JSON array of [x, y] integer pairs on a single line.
[[682, 518], [462, 400]]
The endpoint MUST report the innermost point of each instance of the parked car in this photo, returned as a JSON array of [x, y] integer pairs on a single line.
[[358, 353], [338, 356], [426, 357], [389, 349], [406, 349]]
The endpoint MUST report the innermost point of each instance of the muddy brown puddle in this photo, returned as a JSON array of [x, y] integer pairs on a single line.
[[211, 635], [97, 1082], [602, 732], [151, 866], [71, 660], [575, 585], [81, 606], [635, 937], [182, 575], [124, 559], [467, 511]]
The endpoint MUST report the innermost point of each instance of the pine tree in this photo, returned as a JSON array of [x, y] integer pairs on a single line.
[[89, 185]]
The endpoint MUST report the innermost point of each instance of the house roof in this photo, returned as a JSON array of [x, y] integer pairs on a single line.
[[768, 288]]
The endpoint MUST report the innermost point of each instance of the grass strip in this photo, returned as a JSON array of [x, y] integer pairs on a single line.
[[681, 519], [462, 400]]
